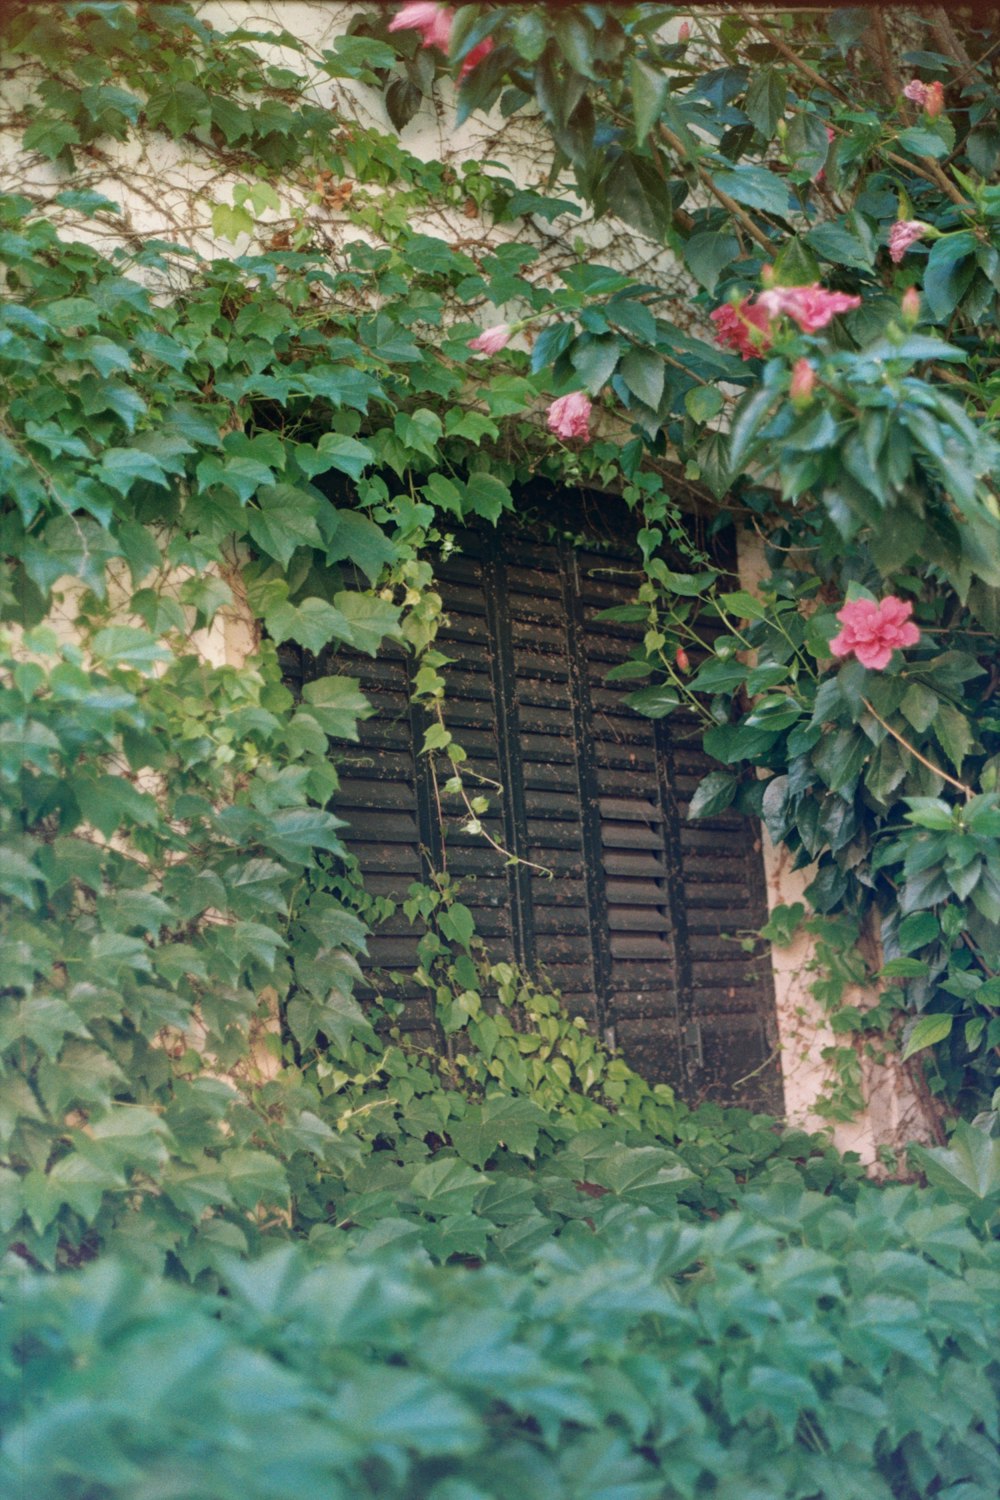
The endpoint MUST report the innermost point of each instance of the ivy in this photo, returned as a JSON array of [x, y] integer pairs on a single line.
[[294, 431]]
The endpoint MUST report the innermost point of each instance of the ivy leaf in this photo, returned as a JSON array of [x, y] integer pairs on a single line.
[[335, 451], [372, 620], [499, 1120], [241, 474], [295, 833], [968, 1168], [313, 623], [337, 704], [420, 430], [285, 519], [121, 467], [75, 547], [127, 645], [358, 538], [486, 496]]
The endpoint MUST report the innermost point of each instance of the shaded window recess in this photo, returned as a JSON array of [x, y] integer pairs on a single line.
[[639, 924]]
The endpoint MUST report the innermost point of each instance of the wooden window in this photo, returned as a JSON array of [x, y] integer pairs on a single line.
[[639, 925]]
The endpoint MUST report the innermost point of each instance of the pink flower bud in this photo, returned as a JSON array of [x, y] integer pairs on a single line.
[[903, 234], [684, 31], [682, 659], [803, 383], [569, 416], [492, 340], [910, 306], [935, 100]]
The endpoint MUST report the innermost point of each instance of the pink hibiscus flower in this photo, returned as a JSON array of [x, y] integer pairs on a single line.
[[746, 328], [569, 416], [874, 631], [903, 234], [812, 307], [434, 22], [929, 96], [492, 340]]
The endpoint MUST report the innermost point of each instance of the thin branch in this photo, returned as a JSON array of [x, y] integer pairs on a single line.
[[958, 785]]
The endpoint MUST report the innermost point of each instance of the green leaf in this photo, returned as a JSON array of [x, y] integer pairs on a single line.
[[337, 704], [283, 519], [499, 1120], [765, 101], [654, 702], [420, 430], [714, 793], [923, 142], [806, 143], [372, 620], [917, 930], [635, 193], [643, 373], [968, 1168], [595, 360], [295, 833], [926, 1032], [754, 187], [919, 706], [335, 451], [487, 496], [357, 538], [703, 402], [954, 734], [649, 91], [128, 646], [313, 623], [707, 255], [951, 266], [229, 223]]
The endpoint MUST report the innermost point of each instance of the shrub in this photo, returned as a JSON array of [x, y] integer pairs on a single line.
[[798, 1347]]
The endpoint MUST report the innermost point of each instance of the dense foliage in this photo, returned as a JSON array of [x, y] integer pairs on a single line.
[[289, 433], [800, 1347]]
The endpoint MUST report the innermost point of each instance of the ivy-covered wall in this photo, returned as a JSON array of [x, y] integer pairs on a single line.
[[189, 175]]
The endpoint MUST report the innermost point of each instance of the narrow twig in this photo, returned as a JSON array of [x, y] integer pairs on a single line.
[[958, 785], [729, 204]]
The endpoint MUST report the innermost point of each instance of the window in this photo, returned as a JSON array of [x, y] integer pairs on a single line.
[[639, 923]]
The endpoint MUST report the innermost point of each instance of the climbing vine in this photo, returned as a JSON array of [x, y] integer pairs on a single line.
[[281, 407]]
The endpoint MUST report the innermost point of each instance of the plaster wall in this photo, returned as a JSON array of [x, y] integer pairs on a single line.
[[166, 190]]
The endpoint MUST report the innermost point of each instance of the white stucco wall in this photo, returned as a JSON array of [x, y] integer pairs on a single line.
[[166, 190]]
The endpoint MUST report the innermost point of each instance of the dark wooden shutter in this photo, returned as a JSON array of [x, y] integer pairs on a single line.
[[639, 924]]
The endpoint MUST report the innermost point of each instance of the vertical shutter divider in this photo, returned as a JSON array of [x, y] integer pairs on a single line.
[[689, 1036], [515, 822], [590, 809]]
